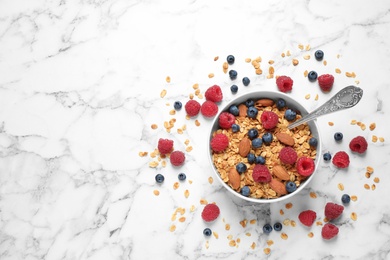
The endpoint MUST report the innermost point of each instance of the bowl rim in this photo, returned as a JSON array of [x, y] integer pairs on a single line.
[[266, 94]]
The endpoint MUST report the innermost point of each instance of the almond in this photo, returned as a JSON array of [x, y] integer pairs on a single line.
[[280, 172], [234, 178], [285, 139], [265, 102], [278, 187], [244, 147], [242, 108]]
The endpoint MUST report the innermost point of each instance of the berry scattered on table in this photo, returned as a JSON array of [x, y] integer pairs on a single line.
[[234, 89], [284, 83], [214, 94], [261, 174], [230, 59], [307, 217], [245, 191], [253, 133], [333, 210], [288, 155], [267, 228], [341, 159], [257, 142], [233, 74], [159, 178], [226, 120], [358, 144], [281, 103], [313, 142], [177, 158], [177, 105], [165, 146], [235, 128], [319, 55], [181, 176], [329, 231], [192, 107], [209, 109], [269, 119], [207, 232], [233, 109], [241, 167], [252, 112], [290, 114], [325, 82], [210, 212], [345, 198], [278, 226], [327, 157], [305, 166], [267, 138], [338, 136], [291, 186], [219, 142], [312, 76], [246, 81]]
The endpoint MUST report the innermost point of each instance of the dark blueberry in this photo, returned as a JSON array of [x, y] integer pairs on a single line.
[[235, 128], [291, 186], [312, 76], [260, 160], [251, 157], [267, 228], [338, 136], [267, 138], [177, 105], [278, 226], [345, 198], [246, 81], [245, 191], [249, 103], [290, 114], [253, 133], [241, 167], [230, 59], [207, 232], [257, 142], [233, 74], [319, 55], [327, 157], [252, 112], [159, 178], [234, 89], [233, 109], [182, 176], [281, 103], [313, 142]]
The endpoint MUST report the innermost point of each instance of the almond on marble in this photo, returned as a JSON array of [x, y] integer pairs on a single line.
[[285, 139], [234, 179], [244, 147], [280, 172], [278, 187]]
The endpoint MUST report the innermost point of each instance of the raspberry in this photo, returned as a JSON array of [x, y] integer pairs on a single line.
[[209, 109], [192, 107], [288, 155], [284, 83], [210, 212], [358, 144], [333, 211], [269, 119], [261, 173], [219, 142], [165, 146], [226, 120], [341, 159], [305, 166], [177, 158], [326, 82], [307, 217], [214, 94], [329, 231]]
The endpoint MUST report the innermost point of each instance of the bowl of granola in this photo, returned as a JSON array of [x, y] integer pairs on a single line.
[[253, 153]]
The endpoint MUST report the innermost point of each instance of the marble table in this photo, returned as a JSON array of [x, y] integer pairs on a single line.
[[87, 89]]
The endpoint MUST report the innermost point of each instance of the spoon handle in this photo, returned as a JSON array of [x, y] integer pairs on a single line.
[[345, 98]]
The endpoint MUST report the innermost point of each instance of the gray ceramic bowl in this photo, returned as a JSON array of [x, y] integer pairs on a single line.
[[291, 103]]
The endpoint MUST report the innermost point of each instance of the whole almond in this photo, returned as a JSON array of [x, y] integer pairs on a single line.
[[244, 147], [264, 102], [280, 172], [242, 108], [278, 187], [234, 178], [285, 139]]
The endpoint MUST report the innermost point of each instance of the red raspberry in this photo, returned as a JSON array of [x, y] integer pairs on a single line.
[[284, 83], [192, 107], [214, 94], [305, 166], [341, 159], [210, 212], [209, 109], [261, 173], [226, 120], [333, 211], [219, 142], [288, 155], [326, 82], [269, 119], [165, 146], [307, 217], [329, 231], [358, 144], [177, 158]]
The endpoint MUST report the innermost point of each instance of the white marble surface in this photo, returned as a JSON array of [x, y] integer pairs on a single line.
[[80, 85]]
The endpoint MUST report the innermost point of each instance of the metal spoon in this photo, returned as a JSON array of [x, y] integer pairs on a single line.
[[345, 98]]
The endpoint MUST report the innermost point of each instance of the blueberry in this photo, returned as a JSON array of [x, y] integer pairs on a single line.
[[251, 157], [278, 226], [338, 136], [252, 112], [257, 142], [345, 198], [245, 191], [281, 103], [327, 157], [177, 105], [291, 186], [319, 55], [246, 81], [260, 160], [253, 133], [249, 103], [234, 89], [182, 176], [233, 74], [267, 228], [230, 59], [313, 142], [207, 232], [233, 109], [312, 76], [241, 167], [235, 128], [290, 114], [159, 178], [267, 138]]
